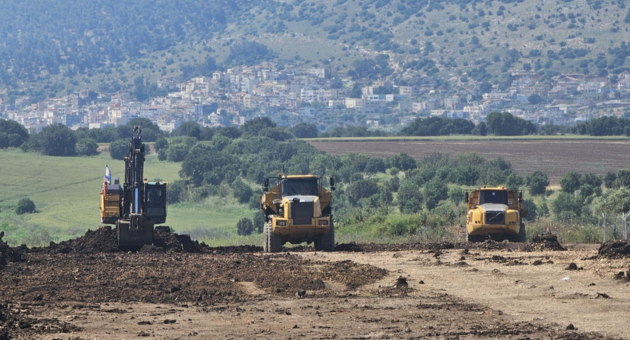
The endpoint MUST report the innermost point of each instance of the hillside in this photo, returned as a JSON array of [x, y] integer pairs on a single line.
[[61, 46]]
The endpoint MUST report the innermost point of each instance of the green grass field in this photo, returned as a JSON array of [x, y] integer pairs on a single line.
[[66, 192]]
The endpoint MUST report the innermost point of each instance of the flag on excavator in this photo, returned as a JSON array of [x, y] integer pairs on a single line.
[[108, 175]]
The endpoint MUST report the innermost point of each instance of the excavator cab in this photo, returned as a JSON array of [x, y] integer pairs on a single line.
[[155, 194]]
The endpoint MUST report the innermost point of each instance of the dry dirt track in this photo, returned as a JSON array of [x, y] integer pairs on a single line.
[[553, 157], [448, 292]]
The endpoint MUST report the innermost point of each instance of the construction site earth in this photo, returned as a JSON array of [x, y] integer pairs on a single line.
[[181, 289]]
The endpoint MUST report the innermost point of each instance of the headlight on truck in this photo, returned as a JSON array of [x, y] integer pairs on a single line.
[[281, 223], [323, 222]]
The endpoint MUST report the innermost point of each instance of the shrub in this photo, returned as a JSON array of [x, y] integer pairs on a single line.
[[118, 149], [25, 206], [245, 226]]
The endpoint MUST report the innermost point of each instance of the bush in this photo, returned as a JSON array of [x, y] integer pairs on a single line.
[[118, 149], [25, 206], [245, 226], [242, 191], [87, 147], [537, 183], [177, 192], [259, 221]]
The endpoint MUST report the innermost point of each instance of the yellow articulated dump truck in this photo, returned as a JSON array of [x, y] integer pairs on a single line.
[[297, 209], [495, 213]]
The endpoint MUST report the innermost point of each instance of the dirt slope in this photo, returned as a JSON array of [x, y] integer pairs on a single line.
[[437, 291]]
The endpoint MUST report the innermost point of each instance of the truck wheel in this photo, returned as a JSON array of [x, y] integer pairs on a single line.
[[274, 242], [522, 237], [328, 240], [265, 238]]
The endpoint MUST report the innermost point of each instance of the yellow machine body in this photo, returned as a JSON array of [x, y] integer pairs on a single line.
[[495, 213], [298, 209]]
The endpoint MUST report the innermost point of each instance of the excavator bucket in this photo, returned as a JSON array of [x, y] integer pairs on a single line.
[[135, 232]]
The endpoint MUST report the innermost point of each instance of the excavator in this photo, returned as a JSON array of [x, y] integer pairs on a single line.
[[136, 206]]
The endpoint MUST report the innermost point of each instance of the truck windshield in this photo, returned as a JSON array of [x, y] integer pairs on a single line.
[[493, 196], [299, 186]]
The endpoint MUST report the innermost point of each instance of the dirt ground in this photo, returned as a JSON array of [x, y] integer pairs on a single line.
[[553, 157], [180, 289]]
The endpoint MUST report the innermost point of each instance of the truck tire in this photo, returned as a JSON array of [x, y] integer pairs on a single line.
[[522, 237], [328, 240], [265, 238], [273, 241]]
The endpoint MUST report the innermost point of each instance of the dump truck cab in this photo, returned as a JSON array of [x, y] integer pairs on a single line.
[[297, 209], [495, 213]]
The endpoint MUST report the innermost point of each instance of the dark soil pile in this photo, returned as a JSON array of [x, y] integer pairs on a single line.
[[545, 241], [9, 254], [104, 240], [350, 247], [615, 249], [15, 323], [153, 277]]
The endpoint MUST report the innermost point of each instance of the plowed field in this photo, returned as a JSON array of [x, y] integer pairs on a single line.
[[178, 289], [553, 157]]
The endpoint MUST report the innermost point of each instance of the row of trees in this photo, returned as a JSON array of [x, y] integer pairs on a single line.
[[59, 140], [368, 185]]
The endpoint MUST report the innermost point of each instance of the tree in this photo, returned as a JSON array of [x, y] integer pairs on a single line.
[[435, 191], [610, 180], [505, 124], [118, 149], [375, 165], [177, 192], [362, 189], [537, 182], [571, 182], [244, 226], [402, 161], [613, 201], [255, 127], [514, 181], [568, 204], [242, 191], [534, 99], [259, 221], [12, 134], [189, 128], [485, 87], [57, 140], [456, 195], [25, 206], [409, 197], [177, 152], [304, 130], [532, 210], [86, 147], [623, 178]]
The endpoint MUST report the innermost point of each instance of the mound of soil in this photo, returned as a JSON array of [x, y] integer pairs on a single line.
[[15, 323], [230, 249], [350, 247], [159, 277], [545, 241], [9, 254], [615, 249], [104, 240]]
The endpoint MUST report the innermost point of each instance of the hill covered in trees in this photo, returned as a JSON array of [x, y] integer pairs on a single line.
[[60, 46]]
